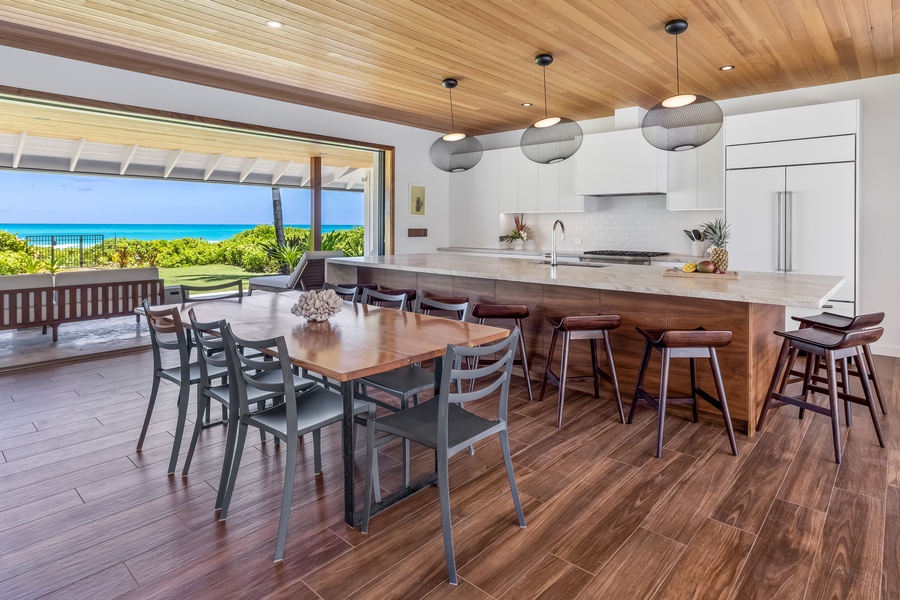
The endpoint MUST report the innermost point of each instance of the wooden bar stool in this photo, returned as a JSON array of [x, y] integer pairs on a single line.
[[515, 313], [842, 323], [832, 346], [582, 327], [683, 343]]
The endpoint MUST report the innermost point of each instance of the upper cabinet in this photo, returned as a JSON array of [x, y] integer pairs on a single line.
[[474, 207], [620, 163], [819, 120], [697, 177]]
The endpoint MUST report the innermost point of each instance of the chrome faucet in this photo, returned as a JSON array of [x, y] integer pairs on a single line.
[[553, 240]]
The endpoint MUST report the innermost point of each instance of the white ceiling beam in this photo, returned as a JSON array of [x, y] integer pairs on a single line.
[[305, 181], [170, 162], [248, 168], [339, 173], [280, 171], [20, 147], [211, 166], [78, 149], [126, 159]]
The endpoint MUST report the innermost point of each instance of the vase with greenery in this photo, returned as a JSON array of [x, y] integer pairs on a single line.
[[520, 234]]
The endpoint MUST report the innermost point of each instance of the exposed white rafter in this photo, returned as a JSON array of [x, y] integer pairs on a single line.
[[20, 147], [77, 154], [214, 161], [248, 167], [170, 162], [306, 180], [280, 171], [126, 159]]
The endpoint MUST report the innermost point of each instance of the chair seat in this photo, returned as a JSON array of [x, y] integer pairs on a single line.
[[222, 392], [405, 380], [832, 339], [315, 409], [419, 424], [686, 338], [174, 373], [500, 311], [584, 322]]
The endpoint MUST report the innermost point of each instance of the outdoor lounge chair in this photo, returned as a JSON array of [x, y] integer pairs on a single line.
[[309, 274]]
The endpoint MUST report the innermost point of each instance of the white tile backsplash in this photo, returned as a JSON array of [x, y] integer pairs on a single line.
[[619, 223]]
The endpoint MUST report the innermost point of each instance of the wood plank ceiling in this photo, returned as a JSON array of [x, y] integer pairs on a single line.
[[385, 58]]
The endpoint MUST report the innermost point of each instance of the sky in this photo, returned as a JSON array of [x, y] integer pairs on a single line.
[[30, 197]]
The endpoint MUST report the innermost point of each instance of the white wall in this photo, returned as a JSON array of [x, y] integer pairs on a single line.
[[33, 71]]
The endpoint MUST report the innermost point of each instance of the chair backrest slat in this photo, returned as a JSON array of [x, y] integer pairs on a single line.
[[376, 298], [236, 287], [167, 321], [347, 293], [426, 306]]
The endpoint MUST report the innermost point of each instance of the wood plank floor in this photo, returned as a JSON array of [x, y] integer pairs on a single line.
[[83, 515]]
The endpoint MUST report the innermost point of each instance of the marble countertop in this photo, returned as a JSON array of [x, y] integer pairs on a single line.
[[789, 289], [568, 255]]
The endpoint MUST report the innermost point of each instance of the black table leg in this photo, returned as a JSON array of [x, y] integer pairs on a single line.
[[347, 451]]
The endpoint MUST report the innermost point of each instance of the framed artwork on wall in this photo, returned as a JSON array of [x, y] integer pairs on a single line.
[[417, 200]]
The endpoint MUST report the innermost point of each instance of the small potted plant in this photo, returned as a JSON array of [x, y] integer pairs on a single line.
[[520, 234]]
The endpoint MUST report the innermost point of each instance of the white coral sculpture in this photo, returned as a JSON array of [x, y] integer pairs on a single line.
[[318, 305]]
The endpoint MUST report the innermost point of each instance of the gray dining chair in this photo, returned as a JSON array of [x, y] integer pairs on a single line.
[[309, 410], [167, 335], [408, 382], [376, 298], [232, 289], [350, 294], [447, 428]]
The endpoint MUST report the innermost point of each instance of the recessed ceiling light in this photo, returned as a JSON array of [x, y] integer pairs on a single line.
[[526, 104], [275, 24], [726, 67]]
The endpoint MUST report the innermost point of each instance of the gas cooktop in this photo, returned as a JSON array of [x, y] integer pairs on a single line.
[[626, 253]]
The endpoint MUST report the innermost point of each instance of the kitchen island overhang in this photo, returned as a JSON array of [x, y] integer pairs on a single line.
[[752, 307]]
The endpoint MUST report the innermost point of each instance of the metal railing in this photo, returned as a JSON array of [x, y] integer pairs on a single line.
[[69, 250]]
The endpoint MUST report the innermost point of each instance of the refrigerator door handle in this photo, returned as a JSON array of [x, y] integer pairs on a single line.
[[788, 233], [780, 229]]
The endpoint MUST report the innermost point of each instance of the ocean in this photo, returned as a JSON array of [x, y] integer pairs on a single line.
[[137, 231]]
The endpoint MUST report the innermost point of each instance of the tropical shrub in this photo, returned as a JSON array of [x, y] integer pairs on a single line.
[[351, 241], [9, 262], [11, 242]]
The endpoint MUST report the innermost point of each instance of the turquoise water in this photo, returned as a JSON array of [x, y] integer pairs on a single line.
[[210, 233]]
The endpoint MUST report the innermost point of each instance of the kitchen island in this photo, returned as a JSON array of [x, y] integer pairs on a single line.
[[752, 307]]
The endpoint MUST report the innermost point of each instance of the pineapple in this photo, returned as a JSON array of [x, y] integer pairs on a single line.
[[718, 233]]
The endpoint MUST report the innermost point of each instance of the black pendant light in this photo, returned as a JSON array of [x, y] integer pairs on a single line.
[[684, 121], [455, 152], [552, 139]]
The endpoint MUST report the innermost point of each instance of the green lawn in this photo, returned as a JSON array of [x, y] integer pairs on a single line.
[[205, 275]]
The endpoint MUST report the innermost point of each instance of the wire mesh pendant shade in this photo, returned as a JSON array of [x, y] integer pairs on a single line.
[[458, 156], [553, 144], [684, 127]]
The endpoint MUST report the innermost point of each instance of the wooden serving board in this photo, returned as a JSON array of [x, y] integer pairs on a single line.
[[675, 272]]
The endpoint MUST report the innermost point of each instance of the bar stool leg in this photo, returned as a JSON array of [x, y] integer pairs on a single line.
[[867, 392], [594, 368], [522, 351], [870, 365], [845, 387], [612, 367], [663, 390], [812, 367], [549, 363], [833, 400], [776, 378], [645, 362], [720, 392], [694, 389], [563, 374]]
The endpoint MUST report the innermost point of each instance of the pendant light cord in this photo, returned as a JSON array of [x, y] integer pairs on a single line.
[[544, 71], [677, 70], [452, 120]]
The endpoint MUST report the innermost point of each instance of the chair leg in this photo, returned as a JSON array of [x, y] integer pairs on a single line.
[[507, 459], [594, 368], [835, 407], [645, 362], [845, 387], [290, 468], [194, 437], [780, 364], [720, 392], [563, 375], [443, 483], [663, 390], [371, 469], [694, 389], [550, 353], [870, 365], [317, 450], [153, 391], [867, 392], [612, 372], [404, 403], [183, 396], [812, 368], [233, 471], [229, 457], [524, 354]]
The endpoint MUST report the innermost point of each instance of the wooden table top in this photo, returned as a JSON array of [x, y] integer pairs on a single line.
[[359, 341]]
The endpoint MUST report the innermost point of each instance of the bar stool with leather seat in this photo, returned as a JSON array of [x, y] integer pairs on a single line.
[[683, 343], [581, 327], [832, 346], [515, 313], [828, 320]]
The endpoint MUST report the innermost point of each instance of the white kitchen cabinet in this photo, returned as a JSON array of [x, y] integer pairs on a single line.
[[548, 188], [696, 178], [816, 121], [462, 206], [486, 208], [508, 177], [528, 184], [620, 163]]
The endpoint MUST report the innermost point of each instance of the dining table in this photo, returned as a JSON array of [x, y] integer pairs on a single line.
[[358, 341]]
